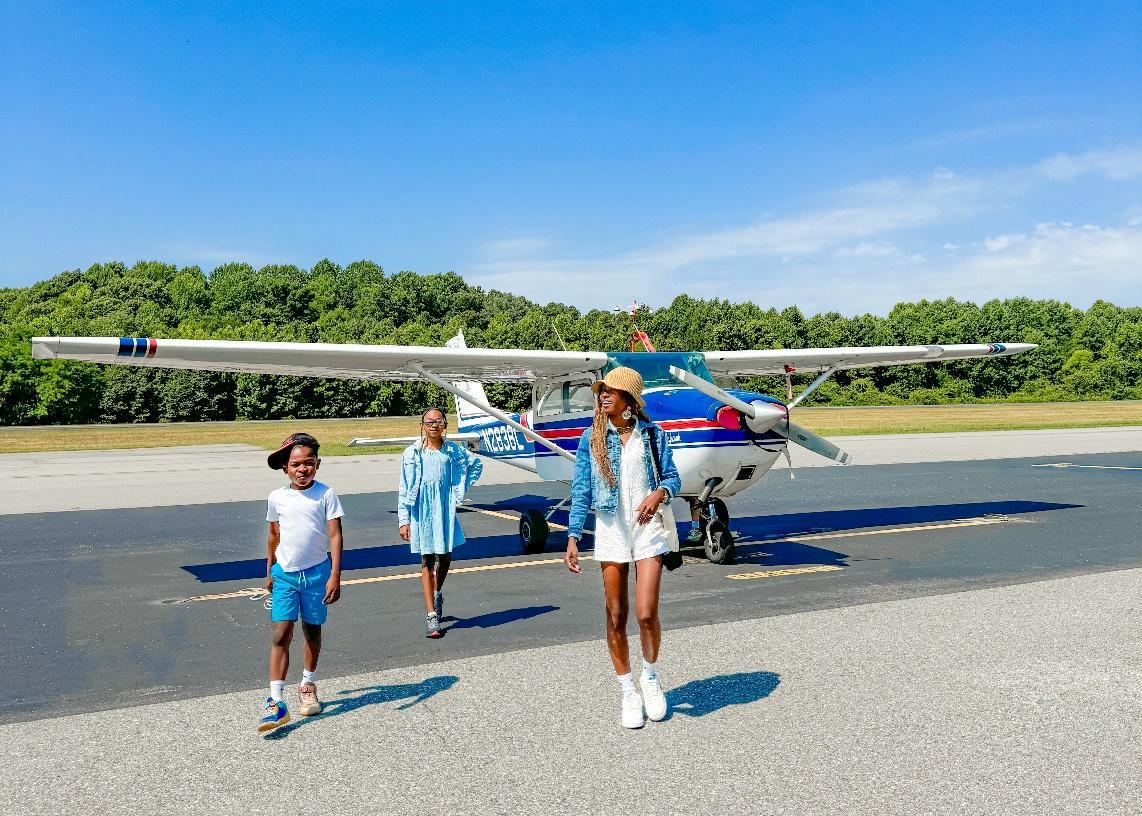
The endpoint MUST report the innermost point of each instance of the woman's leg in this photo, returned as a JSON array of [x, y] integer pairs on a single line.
[[443, 562], [647, 582], [617, 604], [427, 582]]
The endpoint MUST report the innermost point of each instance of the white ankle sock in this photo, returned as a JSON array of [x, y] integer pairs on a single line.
[[277, 690], [308, 676], [649, 670], [626, 682]]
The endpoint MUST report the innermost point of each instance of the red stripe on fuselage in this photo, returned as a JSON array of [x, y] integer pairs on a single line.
[[667, 425], [152, 346]]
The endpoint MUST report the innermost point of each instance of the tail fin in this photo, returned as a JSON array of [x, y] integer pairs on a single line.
[[468, 414]]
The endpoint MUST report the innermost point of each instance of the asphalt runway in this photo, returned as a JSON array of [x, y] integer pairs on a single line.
[[98, 610]]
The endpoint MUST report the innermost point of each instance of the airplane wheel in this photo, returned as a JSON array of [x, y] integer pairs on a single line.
[[533, 531], [719, 544], [721, 512]]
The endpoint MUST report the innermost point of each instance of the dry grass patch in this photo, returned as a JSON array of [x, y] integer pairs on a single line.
[[894, 419], [331, 433], [334, 433]]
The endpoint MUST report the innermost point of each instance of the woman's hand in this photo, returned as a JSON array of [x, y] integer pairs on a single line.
[[571, 557], [404, 534], [650, 505]]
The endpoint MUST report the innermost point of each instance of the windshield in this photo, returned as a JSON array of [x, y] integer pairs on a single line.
[[654, 366]]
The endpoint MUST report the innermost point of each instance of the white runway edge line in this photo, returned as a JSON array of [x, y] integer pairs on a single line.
[[259, 592], [1085, 467]]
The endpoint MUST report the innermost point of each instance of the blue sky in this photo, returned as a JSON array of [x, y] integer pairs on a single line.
[[833, 155]]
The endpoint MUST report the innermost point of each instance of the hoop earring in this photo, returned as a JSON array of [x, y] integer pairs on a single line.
[[627, 414]]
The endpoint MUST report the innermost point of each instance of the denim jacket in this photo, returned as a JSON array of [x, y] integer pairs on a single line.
[[463, 471], [590, 489]]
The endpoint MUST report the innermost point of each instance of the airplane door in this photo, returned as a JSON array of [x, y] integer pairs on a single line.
[[562, 412]]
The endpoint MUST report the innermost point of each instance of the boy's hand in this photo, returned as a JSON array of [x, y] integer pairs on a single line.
[[332, 589], [269, 583], [404, 533]]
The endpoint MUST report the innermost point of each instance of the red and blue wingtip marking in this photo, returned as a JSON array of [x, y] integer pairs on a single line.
[[137, 347]]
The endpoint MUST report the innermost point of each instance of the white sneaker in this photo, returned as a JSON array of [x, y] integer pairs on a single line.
[[655, 699], [632, 710]]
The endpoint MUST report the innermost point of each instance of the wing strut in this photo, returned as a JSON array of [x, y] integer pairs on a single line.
[[488, 409], [813, 386]]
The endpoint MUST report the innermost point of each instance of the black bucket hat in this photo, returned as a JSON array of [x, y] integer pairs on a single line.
[[278, 459]]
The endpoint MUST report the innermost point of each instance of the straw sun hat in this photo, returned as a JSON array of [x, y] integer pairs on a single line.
[[622, 379]]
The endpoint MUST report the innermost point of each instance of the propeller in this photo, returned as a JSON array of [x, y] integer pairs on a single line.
[[762, 416]]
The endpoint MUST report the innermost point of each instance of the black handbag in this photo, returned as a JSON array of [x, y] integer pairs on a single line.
[[671, 559]]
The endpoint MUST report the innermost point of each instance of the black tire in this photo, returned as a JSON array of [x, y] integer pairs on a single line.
[[533, 531], [719, 544]]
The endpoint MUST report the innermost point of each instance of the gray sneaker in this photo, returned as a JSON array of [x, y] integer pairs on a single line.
[[432, 626], [438, 604], [694, 536]]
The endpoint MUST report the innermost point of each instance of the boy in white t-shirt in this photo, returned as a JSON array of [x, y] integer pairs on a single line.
[[303, 571]]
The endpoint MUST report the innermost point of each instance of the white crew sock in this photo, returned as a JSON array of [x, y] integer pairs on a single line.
[[308, 676], [277, 690], [626, 682], [649, 670]]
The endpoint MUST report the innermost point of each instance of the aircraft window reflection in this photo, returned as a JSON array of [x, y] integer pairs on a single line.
[[655, 366], [551, 403], [580, 398]]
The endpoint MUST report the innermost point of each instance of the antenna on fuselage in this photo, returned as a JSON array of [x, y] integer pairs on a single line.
[[636, 334]]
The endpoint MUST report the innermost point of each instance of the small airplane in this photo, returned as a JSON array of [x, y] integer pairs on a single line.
[[723, 439]]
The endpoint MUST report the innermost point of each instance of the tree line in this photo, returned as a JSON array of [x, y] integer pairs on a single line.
[[1084, 354]]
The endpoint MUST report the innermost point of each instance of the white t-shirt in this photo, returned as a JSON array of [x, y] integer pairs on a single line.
[[302, 516]]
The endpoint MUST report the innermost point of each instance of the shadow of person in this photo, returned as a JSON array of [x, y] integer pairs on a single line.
[[701, 697], [370, 695], [490, 619]]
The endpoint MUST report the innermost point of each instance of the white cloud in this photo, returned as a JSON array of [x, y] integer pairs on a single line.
[[874, 245], [1119, 163], [516, 246]]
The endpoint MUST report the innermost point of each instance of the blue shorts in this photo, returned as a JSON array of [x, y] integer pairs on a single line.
[[302, 591]]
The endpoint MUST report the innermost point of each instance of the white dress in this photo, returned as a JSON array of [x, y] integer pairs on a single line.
[[618, 536]]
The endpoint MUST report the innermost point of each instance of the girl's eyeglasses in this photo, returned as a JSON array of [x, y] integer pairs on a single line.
[[435, 422]]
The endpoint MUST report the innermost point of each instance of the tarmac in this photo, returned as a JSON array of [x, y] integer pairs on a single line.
[[952, 632]]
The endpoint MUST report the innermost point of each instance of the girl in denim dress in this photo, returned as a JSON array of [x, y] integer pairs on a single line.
[[434, 478]]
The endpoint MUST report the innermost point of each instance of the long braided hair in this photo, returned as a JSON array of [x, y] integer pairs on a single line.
[[599, 436]]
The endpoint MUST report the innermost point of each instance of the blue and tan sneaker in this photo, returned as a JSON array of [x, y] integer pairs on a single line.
[[694, 536], [276, 714], [432, 626]]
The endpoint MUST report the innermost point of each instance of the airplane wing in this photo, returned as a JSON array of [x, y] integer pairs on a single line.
[[340, 361], [779, 361]]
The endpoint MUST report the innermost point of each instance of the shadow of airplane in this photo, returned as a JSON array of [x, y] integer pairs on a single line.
[[753, 529], [370, 695]]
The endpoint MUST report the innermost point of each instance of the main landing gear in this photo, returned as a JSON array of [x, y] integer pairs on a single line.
[[533, 527]]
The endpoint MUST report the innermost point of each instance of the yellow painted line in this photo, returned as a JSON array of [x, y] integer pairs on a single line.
[[915, 528], [256, 592], [512, 517], [748, 576], [377, 579]]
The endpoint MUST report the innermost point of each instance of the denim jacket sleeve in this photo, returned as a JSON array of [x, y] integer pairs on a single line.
[[406, 493], [580, 487], [671, 482], [470, 468]]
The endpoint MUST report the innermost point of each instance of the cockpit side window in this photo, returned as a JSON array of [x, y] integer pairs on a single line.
[[551, 402], [580, 398]]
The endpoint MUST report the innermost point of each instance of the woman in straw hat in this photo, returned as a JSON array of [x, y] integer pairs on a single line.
[[625, 471]]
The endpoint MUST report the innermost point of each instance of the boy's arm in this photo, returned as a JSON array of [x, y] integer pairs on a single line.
[[333, 587], [272, 542]]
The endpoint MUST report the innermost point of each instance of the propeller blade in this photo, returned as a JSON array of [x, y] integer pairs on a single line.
[[807, 439]]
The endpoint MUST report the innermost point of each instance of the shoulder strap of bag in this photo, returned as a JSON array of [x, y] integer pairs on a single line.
[[652, 432]]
